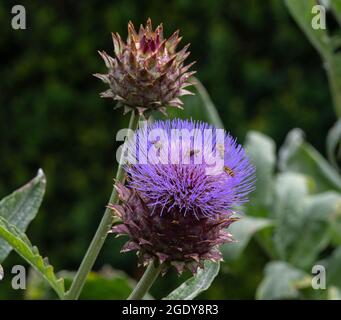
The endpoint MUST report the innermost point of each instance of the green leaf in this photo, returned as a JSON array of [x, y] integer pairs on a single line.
[[197, 284], [282, 281], [21, 207], [21, 244], [297, 156], [316, 221], [261, 150], [301, 11], [242, 231], [210, 110], [290, 189], [336, 8], [295, 210], [335, 226], [333, 268], [333, 142], [288, 210], [328, 47]]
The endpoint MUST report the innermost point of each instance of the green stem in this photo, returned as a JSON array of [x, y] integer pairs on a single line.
[[145, 282], [101, 233], [211, 110], [335, 86]]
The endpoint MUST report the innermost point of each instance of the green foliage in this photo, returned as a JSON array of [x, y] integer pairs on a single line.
[[281, 281], [21, 207], [21, 244], [198, 106], [325, 43], [302, 12], [51, 116], [107, 284], [298, 156], [304, 216], [210, 111], [333, 144], [242, 232], [197, 284], [336, 7], [302, 204], [16, 212], [261, 150]]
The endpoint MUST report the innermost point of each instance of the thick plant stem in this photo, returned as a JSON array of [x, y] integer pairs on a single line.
[[145, 282], [101, 233]]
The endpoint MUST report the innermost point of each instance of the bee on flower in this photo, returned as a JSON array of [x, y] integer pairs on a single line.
[[177, 214]]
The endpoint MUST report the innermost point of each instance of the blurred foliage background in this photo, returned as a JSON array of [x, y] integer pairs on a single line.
[[260, 70]]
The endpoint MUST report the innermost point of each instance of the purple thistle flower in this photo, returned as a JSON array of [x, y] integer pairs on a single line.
[[184, 180], [186, 186]]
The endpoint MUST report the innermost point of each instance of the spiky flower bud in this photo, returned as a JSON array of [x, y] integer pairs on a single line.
[[177, 212], [147, 73]]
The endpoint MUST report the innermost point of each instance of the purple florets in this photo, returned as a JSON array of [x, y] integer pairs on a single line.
[[190, 167]]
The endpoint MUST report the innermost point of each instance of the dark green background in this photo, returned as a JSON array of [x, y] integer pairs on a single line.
[[259, 68]]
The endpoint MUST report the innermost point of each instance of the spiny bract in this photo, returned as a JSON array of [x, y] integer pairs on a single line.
[[147, 73], [178, 213]]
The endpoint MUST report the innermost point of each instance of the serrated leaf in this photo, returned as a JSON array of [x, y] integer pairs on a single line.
[[197, 284], [242, 231], [21, 207], [20, 243], [261, 150], [298, 156], [281, 281]]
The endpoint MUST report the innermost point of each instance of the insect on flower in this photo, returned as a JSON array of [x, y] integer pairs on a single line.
[[176, 213], [229, 171]]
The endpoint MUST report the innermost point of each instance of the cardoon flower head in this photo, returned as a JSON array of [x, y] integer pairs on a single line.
[[184, 179], [147, 73]]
